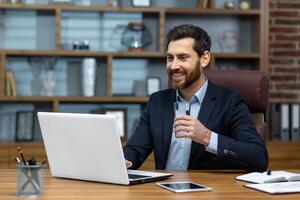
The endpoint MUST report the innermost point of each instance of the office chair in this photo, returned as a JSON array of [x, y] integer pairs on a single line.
[[253, 86]]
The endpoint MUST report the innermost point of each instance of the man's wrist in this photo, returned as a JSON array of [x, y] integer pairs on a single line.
[[207, 137]]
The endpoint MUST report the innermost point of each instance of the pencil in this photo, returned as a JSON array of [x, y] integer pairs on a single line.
[[22, 156]]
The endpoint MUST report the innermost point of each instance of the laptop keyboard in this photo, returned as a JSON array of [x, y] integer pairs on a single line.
[[136, 176]]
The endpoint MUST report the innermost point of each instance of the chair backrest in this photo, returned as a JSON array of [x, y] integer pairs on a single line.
[[252, 85]]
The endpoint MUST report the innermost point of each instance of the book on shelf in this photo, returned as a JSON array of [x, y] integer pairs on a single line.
[[202, 3], [10, 84], [275, 176], [7, 85]]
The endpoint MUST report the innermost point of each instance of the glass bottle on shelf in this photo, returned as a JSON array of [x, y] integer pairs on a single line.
[[49, 77], [136, 36], [36, 83]]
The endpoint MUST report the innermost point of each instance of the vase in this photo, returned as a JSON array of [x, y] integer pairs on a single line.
[[88, 76], [48, 76], [136, 36], [229, 41], [36, 82]]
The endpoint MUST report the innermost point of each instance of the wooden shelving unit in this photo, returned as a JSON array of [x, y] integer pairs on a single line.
[[258, 54]]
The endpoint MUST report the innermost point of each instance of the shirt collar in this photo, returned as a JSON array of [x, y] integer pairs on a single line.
[[198, 96]]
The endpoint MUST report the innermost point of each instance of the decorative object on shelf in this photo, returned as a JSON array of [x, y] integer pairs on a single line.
[[230, 4], [88, 76], [139, 88], [49, 76], [141, 3], [136, 36], [121, 117], [36, 83], [153, 85], [244, 5], [229, 41], [81, 45], [25, 125]]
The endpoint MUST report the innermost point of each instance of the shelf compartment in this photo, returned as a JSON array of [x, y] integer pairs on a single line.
[[27, 29], [103, 30], [10, 121], [68, 77], [234, 34], [129, 75]]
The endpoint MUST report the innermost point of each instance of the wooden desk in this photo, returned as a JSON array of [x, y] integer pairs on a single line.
[[223, 183]]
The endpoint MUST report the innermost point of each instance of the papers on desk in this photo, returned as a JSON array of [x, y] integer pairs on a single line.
[[275, 176], [276, 188], [277, 182]]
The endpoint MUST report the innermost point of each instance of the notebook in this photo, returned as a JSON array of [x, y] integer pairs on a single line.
[[275, 176], [88, 147]]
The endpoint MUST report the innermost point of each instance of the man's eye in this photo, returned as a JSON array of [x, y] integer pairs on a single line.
[[169, 58]]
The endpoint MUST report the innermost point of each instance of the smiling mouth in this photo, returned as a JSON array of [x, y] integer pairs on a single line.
[[178, 76]]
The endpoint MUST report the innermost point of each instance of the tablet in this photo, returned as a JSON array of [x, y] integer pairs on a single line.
[[184, 186]]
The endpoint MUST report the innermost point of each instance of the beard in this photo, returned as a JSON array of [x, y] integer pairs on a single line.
[[191, 77]]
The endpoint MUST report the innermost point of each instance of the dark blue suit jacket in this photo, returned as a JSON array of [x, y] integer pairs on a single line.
[[222, 111]]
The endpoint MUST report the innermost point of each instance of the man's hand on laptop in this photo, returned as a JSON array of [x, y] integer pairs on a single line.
[[128, 163]]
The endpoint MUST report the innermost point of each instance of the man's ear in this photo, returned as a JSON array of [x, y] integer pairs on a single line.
[[205, 59]]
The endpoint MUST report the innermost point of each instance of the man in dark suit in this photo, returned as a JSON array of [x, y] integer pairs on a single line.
[[217, 131]]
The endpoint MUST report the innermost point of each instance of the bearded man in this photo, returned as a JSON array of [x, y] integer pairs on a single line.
[[216, 133]]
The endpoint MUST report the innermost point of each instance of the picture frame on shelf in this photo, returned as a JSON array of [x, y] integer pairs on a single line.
[[25, 125], [121, 116], [141, 3], [153, 85]]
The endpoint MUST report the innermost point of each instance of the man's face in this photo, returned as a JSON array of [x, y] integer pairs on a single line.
[[183, 63]]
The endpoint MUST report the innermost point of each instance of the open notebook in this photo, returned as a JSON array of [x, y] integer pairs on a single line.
[[275, 176]]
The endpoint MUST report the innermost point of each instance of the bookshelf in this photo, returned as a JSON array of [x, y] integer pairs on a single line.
[[50, 29]]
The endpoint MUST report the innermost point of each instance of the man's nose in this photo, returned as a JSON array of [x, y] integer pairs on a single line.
[[174, 65]]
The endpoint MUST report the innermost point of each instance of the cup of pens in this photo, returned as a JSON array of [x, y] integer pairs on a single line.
[[30, 175]]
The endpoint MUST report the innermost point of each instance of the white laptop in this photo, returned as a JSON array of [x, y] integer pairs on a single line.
[[88, 147]]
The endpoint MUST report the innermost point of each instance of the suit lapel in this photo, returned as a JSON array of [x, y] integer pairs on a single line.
[[168, 123], [207, 106]]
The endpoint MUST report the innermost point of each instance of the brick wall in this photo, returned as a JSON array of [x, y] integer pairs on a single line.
[[284, 50]]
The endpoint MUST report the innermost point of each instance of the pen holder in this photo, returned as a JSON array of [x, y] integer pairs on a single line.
[[30, 180]]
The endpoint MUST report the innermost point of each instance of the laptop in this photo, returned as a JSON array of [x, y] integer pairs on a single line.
[[88, 147]]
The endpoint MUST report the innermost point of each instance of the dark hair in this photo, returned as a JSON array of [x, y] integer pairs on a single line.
[[200, 36]]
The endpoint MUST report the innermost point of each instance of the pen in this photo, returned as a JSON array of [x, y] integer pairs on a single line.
[[17, 159], [269, 172], [44, 162], [21, 154]]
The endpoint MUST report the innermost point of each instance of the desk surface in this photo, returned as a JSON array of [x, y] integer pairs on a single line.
[[223, 183]]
